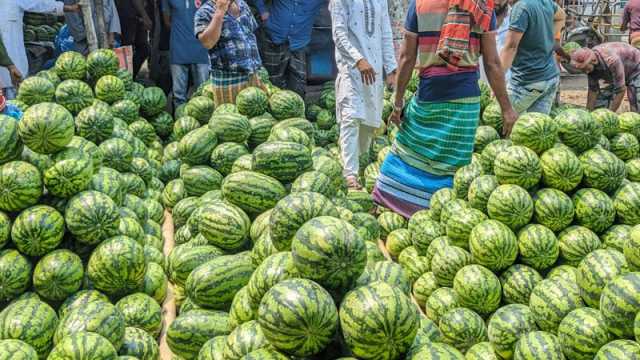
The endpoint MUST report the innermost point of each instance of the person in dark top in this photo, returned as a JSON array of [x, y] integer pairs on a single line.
[[5, 60], [631, 21], [136, 24]]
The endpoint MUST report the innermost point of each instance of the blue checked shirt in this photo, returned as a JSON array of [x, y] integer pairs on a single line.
[[237, 49]]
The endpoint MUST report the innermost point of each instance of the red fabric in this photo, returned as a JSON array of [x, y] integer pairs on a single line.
[[582, 56], [3, 102], [481, 10]]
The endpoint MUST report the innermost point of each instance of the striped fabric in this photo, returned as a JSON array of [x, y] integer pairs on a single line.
[[227, 85]]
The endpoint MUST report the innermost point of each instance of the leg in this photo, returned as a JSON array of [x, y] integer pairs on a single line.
[[180, 77], [349, 145], [200, 75], [275, 59], [297, 72], [141, 48], [364, 140], [544, 103], [523, 97]]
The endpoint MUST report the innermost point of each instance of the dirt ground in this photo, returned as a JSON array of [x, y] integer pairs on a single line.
[[573, 90]]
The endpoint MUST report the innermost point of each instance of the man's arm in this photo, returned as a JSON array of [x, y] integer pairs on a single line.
[[617, 101], [47, 6], [592, 97], [495, 75], [166, 13], [626, 18], [5, 60], [510, 49], [209, 34], [408, 57], [142, 12], [559, 20]]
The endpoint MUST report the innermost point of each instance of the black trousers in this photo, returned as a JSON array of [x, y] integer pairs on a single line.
[[135, 35]]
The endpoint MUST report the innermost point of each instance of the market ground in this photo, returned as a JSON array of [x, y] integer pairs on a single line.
[[573, 90]]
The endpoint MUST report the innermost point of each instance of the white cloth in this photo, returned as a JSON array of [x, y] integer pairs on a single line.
[[11, 17], [361, 30], [501, 39], [355, 140]]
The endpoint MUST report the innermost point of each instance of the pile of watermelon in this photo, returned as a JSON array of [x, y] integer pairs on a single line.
[[81, 209]]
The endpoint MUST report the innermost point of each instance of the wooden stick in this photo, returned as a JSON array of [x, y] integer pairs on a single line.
[[169, 305]]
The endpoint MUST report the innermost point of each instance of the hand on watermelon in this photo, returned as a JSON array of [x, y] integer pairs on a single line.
[[509, 118]]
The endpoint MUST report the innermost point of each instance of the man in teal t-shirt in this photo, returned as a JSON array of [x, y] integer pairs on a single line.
[[529, 53]]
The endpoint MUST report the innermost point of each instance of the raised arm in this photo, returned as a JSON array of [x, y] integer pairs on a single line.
[[209, 21]]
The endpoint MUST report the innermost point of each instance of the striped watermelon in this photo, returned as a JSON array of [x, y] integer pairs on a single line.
[[518, 165], [231, 127], [285, 104], [264, 354], [46, 128], [153, 101], [511, 205], [224, 155], [553, 208], [398, 240], [492, 116], [58, 275], [212, 349], [518, 281], [214, 284], [118, 154], [437, 350], [484, 136], [200, 179], [252, 101], [68, 177], [109, 89], [242, 308], [596, 270], [16, 350], [427, 333], [608, 121], [414, 264], [313, 181], [627, 204], [252, 191], [71, 65], [561, 169], [602, 170], [290, 134], [183, 210], [538, 345], [293, 324], [243, 340], [463, 179], [460, 226], [492, 245], [619, 303], [490, 152], [582, 333], [538, 246], [374, 254], [35, 90], [31, 321], [15, 274], [37, 230], [446, 263], [5, 229], [95, 123], [243, 163], [200, 108], [478, 289], [117, 266], [632, 248], [81, 345], [618, 349], [630, 122], [441, 300], [196, 146], [141, 311], [625, 146], [10, 144], [126, 110], [594, 209], [481, 351], [507, 326], [226, 109], [184, 259], [223, 225], [378, 321], [102, 62], [480, 190], [191, 330], [576, 242], [155, 282], [423, 287], [92, 217], [81, 299], [260, 129], [536, 131], [450, 209], [183, 125], [173, 192], [143, 130], [462, 328], [616, 237], [388, 272], [423, 230], [566, 272], [578, 129], [551, 300], [274, 269], [633, 170], [284, 161], [74, 95], [139, 344]]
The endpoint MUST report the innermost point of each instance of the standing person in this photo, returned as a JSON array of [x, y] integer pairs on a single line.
[[529, 53], [444, 40], [188, 56], [365, 56], [616, 64], [6, 62], [631, 21], [11, 30], [136, 24], [284, 39], [75, 22], [503, 11], [226, 28], [397, 11]]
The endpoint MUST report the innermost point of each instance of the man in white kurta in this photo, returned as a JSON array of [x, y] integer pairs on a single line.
[[364, 56], [11, 17]]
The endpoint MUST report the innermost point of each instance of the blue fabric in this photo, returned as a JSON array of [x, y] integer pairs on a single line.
[[237, 48], [290, 20], [411, 23], [534, 60], [449, 87], [185, 48], [13, 111], [424, 183]]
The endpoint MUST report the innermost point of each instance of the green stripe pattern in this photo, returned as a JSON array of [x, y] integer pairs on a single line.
[[561, 169], [71, 65], [282, 160], [139, 344], [184, 259], [117, 266], [480, 190], [538, 345], [438, 351], [388, 272], [627, 204], [594, 209], [83, 345], [196, 146], [230, 127], [21, 186], [578, 130], [518, 165], [58, 275], [243, 340], [274, 269], [553, 209], [536, 131], [264, 354], [224, 155], [46, 128], [80, 299], [253, 192], [68, 177], [619, 302], [92, 217], [212, 349], [617, 349], [507, 325], [16, 350], [552, 300], [602, 170], [446, 263], [38, 230], [242, 309], [478, 289], [493, 245], [511, 205], [224, 225], [313, 181], [582, 333], [576, 242], [459, 227], [441, 300], [538, 246], [10, 144], [15, 274], [141, 311], [491, 151], [481, 351], [97, 317], [31, 321], [596, 270], [462, 328], [518, 281], [189, 331]]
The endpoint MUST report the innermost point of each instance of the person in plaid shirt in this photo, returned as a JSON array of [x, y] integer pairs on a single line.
[[226, 28], [617, 65]]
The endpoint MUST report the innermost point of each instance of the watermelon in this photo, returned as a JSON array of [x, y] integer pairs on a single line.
[[616, 237], [252, 101], [477, 289], [578, 129], [618, 349], [290, 134], [264, 354], [46, 128], [463, 179], [200, 179], [608, 121], [81, 299], [243, 163], [492, 116], [596, 270], [511, 205], [330, 251], [285, 104], [451, 209], [243, 309], [139, 344], [71, 65], [31, 321], [551, 300], [481, 351], [313, 181], [447, 262], [388, 272], [479, 191], [225, 154], [212, 349], [576, 242], [441, 300], [553, 209], [16, 349], [83, 345], [15, 274], [191, 330], [184, 259], [213, 284], [92, 217], [490, 152], [5, 229], [260, 129], [437, 350], [625, 146], [493, 245], [89, 148], [102, 62], [632, 248], [109, 89], [141, 311], [10, 144], [274, 269], [539, 345], [619, 303], [459, 227], [37, 230], [566, 272], [284, 161], [243, 340], [518, 165], [484, 136], [173, 192], [629, 122], [95, 123], [397, 241], [117, 266], [58, 275], [423, 287], [423, 230], [155, 282], [627, 204], [196, 146], [68, 177], [518, 281], [427, 333], [633, 170], [35, 90], [143, 130], [183, 125], [223, 225], [538, 246], [602, 170], [231, 127], [200, 108], [378, 321], [74, 95], [561, 169], [594, 209], [536, 131], [462, 328], [153, 101]]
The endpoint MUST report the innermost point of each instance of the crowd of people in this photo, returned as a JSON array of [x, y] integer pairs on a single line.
[[514, 45]]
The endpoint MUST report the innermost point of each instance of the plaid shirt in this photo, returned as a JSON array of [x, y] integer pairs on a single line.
[[618, 64], [237, 49]]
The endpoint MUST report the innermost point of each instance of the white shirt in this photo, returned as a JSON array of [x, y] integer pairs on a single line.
[[11, 16], [361, 30]]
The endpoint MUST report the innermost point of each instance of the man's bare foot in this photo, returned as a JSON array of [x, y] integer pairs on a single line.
[[353, 183]]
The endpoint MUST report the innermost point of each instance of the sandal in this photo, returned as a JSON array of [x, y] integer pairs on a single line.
[[353, 183]]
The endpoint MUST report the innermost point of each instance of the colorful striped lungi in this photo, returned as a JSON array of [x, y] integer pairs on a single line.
[[435, 140], [226, 85]]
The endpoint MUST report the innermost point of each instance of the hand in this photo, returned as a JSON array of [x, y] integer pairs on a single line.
[[16, 75], [265, 16], [223, 5], [509, 118], [71, 8], [396, 114], [147, 23], [391, 80], [367, 72]]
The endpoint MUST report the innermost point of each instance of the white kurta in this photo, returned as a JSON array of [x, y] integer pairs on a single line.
[[361, 29], [11, 16]]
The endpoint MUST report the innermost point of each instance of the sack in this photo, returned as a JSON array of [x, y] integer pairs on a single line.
[[125, 55]]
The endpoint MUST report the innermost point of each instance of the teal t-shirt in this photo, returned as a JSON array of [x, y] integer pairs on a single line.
[[534, 60]]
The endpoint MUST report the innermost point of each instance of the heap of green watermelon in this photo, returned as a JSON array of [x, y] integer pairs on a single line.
[[81, 209]]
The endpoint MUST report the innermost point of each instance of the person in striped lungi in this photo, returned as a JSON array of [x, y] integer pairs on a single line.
[[226, 28], [443, 40]]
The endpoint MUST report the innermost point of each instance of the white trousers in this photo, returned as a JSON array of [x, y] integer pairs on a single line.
[[355, 140]]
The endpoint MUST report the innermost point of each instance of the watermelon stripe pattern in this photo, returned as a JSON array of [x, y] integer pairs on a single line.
[[243, 340], [58, 275], [282, 160], [582, 332], [596, 270], [187, 334], [117, 266], [38, 230], [253, 192], [539, 345], [84, 343], [552, 300], [20, 184], [462, 328], [92, 217], [561, 169], [619, 303], [31, 321], [511, 205], [506, 327], [518, 165], [46, 128], [518, 281], [15, 274], [223, 225]]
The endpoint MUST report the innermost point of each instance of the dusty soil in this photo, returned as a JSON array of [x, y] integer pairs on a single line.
[[573, 90]]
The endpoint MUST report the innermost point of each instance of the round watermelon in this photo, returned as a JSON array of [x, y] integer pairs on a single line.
[[561, 169], [616, 237], [536, 131], [462, 328], [388, 272], [153, 101], [538, 246], [578, 129], [37, 230], [139, 344], [493, 245], [460, 226], [126, 110], [507, 325], [576, 242], [109, 89], [538, 345], [15, 274], [95, 123], [46, 128], [71, 65], [31, 321], [490, 152], [608, 121], [553, 209], [619, 303], [518, 165], [484, 136], [602, 170], [10, 144], [518, 281], [35, 90], [102, 62], [596, 270], [480, 190], [551, 300], [200, 108], [74, 95], [492, 116], [244, 339], [627, 204], [92, 217], [478, 289], [224, 155], [230, 127], [252, 101], [192, 329], [629, 122], [16, 350], [155, 282], [68, 177], [141, 311], [117, 266], [58, 275], [511, 205], [594, 209], [22, 185], [285, 104], [446, 263], [618, 349], [625, 146]]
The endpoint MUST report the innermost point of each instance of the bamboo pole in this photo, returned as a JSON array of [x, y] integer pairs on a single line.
[[87, 16], [169, 305]]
